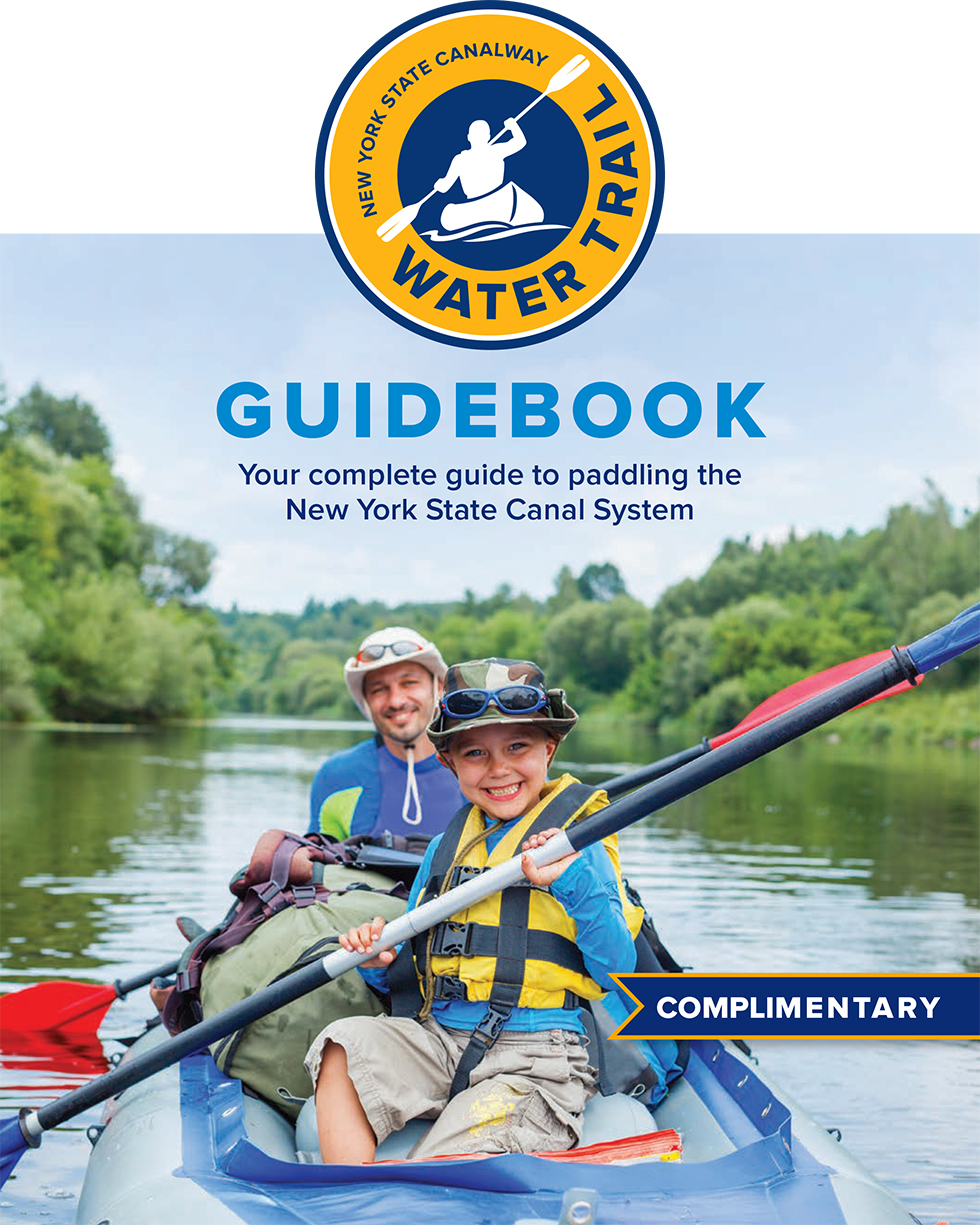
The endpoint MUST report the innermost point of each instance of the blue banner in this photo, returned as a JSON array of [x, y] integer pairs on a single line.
[[802, 1005]]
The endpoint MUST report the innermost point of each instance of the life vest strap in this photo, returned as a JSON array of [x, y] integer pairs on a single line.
[[508, 983], [481, 940]]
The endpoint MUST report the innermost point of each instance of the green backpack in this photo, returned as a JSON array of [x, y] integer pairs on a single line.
[[276, 928]]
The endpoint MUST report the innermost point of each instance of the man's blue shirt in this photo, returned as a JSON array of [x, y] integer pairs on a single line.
[[361, 790]]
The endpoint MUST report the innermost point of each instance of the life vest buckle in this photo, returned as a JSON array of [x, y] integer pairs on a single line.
[[452, 939], [488, 1030], [447, 987], [463, 872]]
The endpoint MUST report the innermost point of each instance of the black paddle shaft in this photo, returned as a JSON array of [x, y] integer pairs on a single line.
[[647, 774], [123, 986]]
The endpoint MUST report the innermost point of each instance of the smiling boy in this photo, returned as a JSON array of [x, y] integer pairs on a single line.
[[486, 1036]]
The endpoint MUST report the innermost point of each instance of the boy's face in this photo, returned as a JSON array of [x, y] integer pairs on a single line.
[[502, 767]]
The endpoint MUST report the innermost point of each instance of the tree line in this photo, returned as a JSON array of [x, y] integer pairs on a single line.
[[100, 617], [103, 618], [709, 649]]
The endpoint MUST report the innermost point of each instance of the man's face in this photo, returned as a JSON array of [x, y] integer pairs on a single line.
[[401, 697]]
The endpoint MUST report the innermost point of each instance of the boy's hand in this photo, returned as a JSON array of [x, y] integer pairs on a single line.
[[361, 940], [543, 877]]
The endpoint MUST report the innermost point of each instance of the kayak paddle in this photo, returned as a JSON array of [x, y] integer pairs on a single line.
[[69, 1006], [27, 1130], [391, 228]]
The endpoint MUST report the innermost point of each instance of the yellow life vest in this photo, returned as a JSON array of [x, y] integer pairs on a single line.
[[546, 982]]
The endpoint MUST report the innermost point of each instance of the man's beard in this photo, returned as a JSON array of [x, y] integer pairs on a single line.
[[403, 735]]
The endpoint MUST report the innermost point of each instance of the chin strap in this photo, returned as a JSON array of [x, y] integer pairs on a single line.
[[411, 790]]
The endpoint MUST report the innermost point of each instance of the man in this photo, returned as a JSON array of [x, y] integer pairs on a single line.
[[393, 784]]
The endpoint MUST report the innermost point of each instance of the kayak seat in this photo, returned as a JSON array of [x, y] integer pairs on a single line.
[[606, 1118]]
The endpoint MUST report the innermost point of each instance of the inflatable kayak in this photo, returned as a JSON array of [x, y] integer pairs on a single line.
[[725, 1147]]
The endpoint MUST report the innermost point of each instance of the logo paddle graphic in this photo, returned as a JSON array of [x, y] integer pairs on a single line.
[[489, 175]]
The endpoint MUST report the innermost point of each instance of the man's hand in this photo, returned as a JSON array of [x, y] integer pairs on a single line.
[[441, 185], [543, 877], [361, 940]]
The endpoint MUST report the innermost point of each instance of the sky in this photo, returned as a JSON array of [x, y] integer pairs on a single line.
[[867, 346]]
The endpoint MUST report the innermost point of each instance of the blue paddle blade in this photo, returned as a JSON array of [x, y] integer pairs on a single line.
[[12, 1145]]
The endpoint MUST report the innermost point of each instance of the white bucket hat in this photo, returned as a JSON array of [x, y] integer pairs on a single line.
[[392, 645]]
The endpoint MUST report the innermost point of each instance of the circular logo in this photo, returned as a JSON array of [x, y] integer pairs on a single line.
[[489, 175]]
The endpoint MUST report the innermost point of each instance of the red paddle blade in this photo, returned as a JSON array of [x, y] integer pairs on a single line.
[[68, 1007], [809, 687]]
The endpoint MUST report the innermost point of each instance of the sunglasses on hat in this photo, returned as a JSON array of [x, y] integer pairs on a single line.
[[372, 653], [511, 699]]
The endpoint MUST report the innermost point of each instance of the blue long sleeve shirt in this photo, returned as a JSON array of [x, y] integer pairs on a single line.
[[361, 790], [589, 892]]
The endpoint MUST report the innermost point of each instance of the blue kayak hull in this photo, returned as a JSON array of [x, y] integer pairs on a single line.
[[191, 1146]]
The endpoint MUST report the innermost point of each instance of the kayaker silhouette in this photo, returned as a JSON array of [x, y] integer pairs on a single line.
[[480, 171]]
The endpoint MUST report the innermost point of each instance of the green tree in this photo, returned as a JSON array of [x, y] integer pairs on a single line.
[[69, 426], [921, 551], [306, 681], [107, 655], [601, 582], [685, 672], [83, 639], [21, 630], [51, 524], [175, 566], [594, 644], [566, 590]]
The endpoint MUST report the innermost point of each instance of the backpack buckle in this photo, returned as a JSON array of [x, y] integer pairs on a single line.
[[270, 895], [187, 980], [304, 895]]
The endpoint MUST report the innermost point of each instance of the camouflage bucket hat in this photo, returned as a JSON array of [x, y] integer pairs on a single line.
[[492, 676]]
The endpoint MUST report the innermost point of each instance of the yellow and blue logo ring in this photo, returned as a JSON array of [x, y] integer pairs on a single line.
[[489, 175]]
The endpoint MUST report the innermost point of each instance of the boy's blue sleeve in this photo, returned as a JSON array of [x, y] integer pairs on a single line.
[[589, 891], [377, 977], [423, 873]]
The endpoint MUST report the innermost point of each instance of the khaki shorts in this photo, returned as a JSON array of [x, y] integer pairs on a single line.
[[527, 1094]]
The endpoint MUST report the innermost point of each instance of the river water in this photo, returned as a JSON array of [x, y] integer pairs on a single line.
[[819, 857]]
